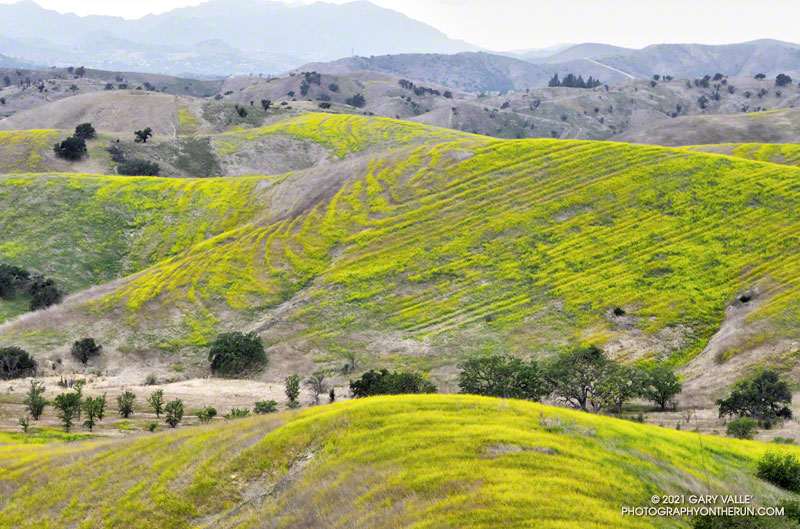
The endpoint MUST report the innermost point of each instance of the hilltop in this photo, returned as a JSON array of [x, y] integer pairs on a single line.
[[384, 254], [459, 460]]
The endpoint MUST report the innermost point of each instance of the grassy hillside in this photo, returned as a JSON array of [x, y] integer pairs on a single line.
[[416, 255], [780, 153], [422, 461]]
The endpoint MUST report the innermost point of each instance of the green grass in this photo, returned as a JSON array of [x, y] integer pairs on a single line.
[[21, 151], [469, 243], [37, 435], [414, 461]]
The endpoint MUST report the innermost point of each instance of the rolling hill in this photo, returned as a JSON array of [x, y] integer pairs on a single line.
[[385, 253], [438, 461], [775, 126]]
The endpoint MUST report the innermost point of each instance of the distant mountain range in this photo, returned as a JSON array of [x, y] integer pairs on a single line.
[[480, 71], [219, 37], [230, 37]]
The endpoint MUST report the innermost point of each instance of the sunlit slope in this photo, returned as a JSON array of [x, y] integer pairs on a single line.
[[460, 244], [780, 153], [421, 461]]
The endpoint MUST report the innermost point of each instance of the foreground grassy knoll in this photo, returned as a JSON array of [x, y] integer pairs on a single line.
[[421, 461], [437, 245]]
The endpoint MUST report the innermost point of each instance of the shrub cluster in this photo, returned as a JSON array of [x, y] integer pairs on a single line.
[[15, 280]]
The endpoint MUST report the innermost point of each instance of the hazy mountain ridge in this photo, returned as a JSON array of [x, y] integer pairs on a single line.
[[252, 36]]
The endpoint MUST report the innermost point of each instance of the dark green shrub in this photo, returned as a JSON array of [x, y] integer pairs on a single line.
[[85, 131], [356, 100], [235, 353], [15, 363], [137, 167], [782, 470], [385, 383], [265, 406], [174, 412], [72, 149], [85, 349], [742, 428], [44, 293]]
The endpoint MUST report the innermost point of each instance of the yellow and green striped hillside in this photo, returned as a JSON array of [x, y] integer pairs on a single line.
[[780, 153], [456, 243], [413, 461]]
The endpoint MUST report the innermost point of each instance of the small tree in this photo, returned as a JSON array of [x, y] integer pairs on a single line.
[[742, 428], [782, 80], [292, 390], [763, 397], [141, 136], [662, 386], [174, 412], [234, 353], [265, 104], [316, 383], [265, 406], [242, 111], [206, 414], [620, 385], [156, 401], [93, 409], [68, 405], [125, 403], [85, 349], [760, 76], [85, 131], [576, 374], [332, 395], [72, 149], [15, 363], [23, 423], [35, 400]]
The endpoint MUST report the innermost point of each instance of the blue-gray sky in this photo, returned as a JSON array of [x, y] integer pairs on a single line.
[[521, 24]]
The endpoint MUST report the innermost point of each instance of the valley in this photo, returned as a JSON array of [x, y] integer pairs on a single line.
[[268, 281]]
